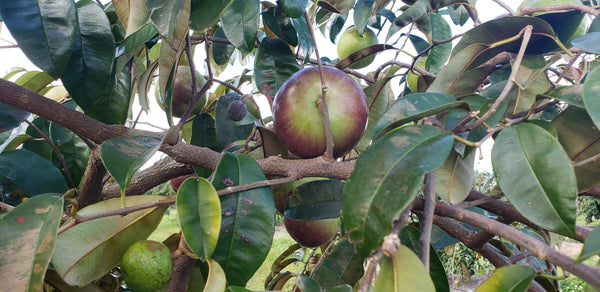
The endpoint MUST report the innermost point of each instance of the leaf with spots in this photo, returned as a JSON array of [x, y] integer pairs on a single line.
[[199, 213], [27, 242], [248, 218], [386, 179], [273, 65]]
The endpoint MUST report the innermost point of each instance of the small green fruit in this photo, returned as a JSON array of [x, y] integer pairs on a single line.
[[182, 92], [146, 266], [351, 41]]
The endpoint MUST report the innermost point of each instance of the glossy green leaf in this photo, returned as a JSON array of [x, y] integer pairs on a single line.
[[294, 8], [112, 107], [164, 16], [306, 44], [378, 96], [340, 288], [581, 140], [440, 30], [206, 14], [34, 80], [385, 180], [279, 22], [409, 236], [199, 213], [227, 130], [124, 156], [133, 14], [28, 241], [321, 199], [221, 52], [458, 13], [136, 40], [273, 65], [419, 9], [336, 26], [31, 173], [74, 150], [454, 179], [532, 169], [90, 65], [15, 142], [404, 270], [271, 144], [307, 284], [342, 266], [39, 145], [512, 278], [240, 23], [248, 221], [11, 116], [414, 107], [44, 31], [572, 94], [204, 133], [564, 24], [362, 11], [591, 95], [591, 245], [588, 42], [90, 249]]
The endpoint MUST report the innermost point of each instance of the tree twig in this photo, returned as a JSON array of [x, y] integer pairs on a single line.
[[559, 7]]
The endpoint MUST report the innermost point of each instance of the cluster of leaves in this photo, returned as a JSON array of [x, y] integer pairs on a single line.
[[498, 82]]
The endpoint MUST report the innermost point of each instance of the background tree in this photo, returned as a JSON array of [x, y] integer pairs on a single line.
[[72, 150]]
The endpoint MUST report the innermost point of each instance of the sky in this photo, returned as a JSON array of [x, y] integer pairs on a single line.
[[13, 58]]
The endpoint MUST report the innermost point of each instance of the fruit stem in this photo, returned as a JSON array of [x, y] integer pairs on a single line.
[[322, 102]]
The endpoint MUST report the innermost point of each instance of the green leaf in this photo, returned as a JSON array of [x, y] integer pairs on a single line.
[[133, 14], [588, 42], [88, 250], [591, 245], [307, 284], [440, 30], [199, 212], [294, 8], [216, 280], [240, 23], [340, 288], [206, 14], [537, 176], [512, 278], [454, 179], [591, 96], [409, 236], [43, 30], [136, 40], [34, 80], [124, 156], [248, 221], [306, 44], [405, 269], [362, 11], [336, 26], [581, 140], [378, 96], [420, 9], [321, 199], [39, 145], [271, 144], [227, 130], [204, 133], [386, 178], [277, 20], [458, 13], [164, 16], [15, 142], [31, 173], [413, 107], [572, 94], [273, 65], [113, 106], [221, 52], [28, 241], [90, 65], [342, 266], [11, 116], [74, 150]]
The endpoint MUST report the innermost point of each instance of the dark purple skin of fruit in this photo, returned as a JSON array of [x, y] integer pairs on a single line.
[[311, 233], [297, 118]]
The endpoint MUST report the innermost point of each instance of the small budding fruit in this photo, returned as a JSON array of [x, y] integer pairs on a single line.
[[351, 41], [146, 266], [237, 110], [298, 121]]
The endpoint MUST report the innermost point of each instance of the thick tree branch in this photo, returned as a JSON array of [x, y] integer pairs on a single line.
[[92, 181]]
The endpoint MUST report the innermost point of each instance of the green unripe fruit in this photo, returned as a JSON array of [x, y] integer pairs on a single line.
[[182, 92], [146, 266], [351, 41]]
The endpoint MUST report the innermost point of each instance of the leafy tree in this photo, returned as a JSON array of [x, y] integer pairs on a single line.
[[73, 191]]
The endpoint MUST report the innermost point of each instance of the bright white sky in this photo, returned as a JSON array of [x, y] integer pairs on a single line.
[[13, 57]]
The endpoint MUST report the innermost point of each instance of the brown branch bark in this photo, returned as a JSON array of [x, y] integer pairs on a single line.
[[92, 181]]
